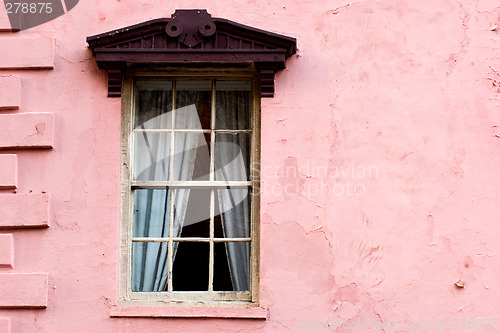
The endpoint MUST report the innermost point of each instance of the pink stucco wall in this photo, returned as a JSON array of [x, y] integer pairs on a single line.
[[380, 157]]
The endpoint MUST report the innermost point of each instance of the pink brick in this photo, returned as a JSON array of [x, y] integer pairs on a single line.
[[10, 92], [24, 290], [4, 24], [6, 251], [4, 325], [24, 210], [27, 130], [26, 52], [8, 171]]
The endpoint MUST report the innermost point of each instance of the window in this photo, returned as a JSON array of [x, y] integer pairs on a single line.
[[191, 87], [190, 205]]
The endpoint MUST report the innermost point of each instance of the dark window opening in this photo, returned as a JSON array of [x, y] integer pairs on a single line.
[[190, 269]]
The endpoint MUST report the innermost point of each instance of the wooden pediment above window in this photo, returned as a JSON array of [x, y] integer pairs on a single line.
[[191, 36]]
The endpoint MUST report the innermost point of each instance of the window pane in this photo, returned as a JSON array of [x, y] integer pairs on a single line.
[[218, 230], [233, 105], [151, 156], [155, 126], [192, 212], [234, 205], [151, 213], [232, 156], [190, 271], [192, 103], [191, 154], [232, 266], [154, 105], [149, 266]]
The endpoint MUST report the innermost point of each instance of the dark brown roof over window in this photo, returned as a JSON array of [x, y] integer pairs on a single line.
[[191, 36]]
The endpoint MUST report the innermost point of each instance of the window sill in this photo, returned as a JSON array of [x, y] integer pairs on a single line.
[[188, 312]]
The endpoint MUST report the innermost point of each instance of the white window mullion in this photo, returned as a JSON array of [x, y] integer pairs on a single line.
[[189, 239], [192, 184], [212, 199], [170, 242], [171, 176], [212, 133], [211, 259]]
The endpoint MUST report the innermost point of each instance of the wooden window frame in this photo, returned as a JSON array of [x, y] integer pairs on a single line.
[[126, 296], [191, 43]]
